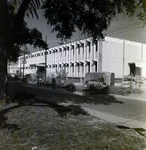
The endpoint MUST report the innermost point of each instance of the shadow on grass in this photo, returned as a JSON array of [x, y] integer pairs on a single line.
[[61, 96], [3, 120], [24, 98], [35, 102], [62, 110]]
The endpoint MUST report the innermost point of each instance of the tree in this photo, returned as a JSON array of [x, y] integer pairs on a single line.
[[89, 16], [12, 39]]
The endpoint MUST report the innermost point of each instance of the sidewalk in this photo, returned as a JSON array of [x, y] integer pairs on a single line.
[[139, 97]]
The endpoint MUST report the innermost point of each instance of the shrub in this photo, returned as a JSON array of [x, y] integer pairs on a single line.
[[70, 86], [123, 90], [97, 87], [61, 76], [53, 81]]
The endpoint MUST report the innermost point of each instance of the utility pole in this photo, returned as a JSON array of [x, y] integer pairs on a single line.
[[24, 61], [45, 61]]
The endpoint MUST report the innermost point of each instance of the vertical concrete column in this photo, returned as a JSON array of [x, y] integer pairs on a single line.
[[100, 56], [94, 51], [94, 55], [123, 59], [84, 46], [71, 54], [74, 70], [91, 51], [85, 58], [69, 50], [81, 49], [54, 56], [62, 54], [74, 51], [141, 51], [77, 52], [87, 52], [64, 49], [66, 54]]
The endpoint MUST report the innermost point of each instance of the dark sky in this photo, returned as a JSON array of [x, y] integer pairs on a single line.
[[121, 27]]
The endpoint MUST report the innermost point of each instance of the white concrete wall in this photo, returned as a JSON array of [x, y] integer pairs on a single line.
[[132, 53], [112, 56], [117, 54]]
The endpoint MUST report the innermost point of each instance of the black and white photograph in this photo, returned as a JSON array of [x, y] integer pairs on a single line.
[[72, 74]]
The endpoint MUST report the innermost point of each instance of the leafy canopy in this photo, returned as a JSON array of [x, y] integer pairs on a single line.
[[89, 16]]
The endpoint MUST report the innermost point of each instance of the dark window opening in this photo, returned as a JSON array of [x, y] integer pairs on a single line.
[[78, 68], [89, 47], [78, 49], [96, 46], [89, 67], [82, 68], [132, 69], [95, 66], [73, 68]]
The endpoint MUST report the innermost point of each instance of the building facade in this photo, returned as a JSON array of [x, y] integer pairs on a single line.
[[117, 56]]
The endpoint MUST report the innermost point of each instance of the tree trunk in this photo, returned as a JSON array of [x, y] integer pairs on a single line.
[[3, 74]]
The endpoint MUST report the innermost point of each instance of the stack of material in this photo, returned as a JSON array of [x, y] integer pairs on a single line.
[[106, 78]]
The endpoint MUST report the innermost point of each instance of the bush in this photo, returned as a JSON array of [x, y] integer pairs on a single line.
[[123, 90], [61, 76], [97, 87], [70, 87]]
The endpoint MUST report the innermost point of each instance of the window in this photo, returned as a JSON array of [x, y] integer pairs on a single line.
[[82, 67], [89, 47], [83, 48], [78, 68], [89, 67], [132, 68], [96, 46], [73, 49], [78, 49], [95, 66], [73, 68]]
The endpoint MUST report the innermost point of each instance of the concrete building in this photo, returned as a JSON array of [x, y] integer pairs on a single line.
[[113, 55]]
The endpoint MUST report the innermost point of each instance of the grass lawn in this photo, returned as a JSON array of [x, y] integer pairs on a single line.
[[39, 126]]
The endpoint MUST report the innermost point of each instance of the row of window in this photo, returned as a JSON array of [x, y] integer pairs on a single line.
[[65, 49], [72, 66]]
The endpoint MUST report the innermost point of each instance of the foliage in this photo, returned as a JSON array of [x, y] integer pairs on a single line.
[[123, 90], [61, 76], [70, 86], [91, 17], [97, 87], [11, 41]]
